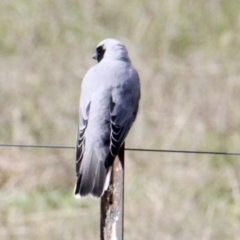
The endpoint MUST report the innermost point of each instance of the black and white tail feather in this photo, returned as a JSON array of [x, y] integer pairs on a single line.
[[109, 104]]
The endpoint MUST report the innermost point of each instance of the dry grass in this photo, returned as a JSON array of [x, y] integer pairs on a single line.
[[186, 53]]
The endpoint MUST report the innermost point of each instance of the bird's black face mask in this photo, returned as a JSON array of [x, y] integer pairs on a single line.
[[99, 53]]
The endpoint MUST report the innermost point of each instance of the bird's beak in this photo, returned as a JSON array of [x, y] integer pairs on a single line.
[[94, 56]]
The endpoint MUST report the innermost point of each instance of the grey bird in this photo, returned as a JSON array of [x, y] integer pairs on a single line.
[[110, 94]]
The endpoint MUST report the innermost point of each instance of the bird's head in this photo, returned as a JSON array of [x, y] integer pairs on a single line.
[[111, 49]]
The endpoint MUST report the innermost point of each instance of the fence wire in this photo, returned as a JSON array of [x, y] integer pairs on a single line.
[[126, 149]]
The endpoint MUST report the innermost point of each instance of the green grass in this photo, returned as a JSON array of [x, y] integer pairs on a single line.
[[42, 201], [187, 55]]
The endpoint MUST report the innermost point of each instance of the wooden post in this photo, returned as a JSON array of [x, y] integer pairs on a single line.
[[112, 202]]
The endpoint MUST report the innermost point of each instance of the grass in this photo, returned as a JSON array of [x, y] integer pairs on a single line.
[[186, 53]]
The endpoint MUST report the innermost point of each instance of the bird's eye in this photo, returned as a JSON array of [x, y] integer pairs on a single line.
[[99, 49], [100, 53]]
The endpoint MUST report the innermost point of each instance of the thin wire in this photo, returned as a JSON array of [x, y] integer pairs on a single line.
[[34, 146], [127, 149], [183, 151]]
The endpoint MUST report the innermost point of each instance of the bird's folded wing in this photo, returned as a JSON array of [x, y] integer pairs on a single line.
[[121, 121], [80, 136]]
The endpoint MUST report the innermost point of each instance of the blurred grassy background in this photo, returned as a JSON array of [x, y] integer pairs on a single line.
[[187, 55]]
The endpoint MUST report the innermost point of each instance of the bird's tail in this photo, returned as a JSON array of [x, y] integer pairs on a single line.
[[93, 177]]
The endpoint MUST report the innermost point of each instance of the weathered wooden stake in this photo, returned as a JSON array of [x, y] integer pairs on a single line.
[[112, 202]]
